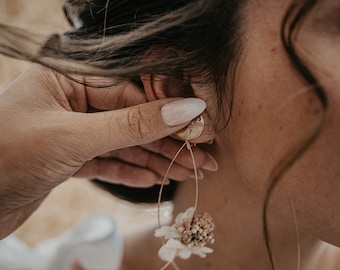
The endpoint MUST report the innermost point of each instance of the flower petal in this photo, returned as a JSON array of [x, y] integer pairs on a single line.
[[173, 243], [167, 232], [169, 251], [201, 251], [184, 253], [207, 250], [186, 216], [167, 254]]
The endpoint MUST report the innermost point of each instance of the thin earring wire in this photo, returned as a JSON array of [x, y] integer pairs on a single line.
[[298, 243], [188, 146], [163, 183], [193, 131]]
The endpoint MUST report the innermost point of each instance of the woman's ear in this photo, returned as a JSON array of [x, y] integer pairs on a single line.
[[160, 86], [163, 86]]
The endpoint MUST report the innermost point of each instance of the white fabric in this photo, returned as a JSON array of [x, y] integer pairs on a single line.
[[95, 243]]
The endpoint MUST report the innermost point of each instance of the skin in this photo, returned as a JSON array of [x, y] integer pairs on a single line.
[[54, 128], [274, 111]]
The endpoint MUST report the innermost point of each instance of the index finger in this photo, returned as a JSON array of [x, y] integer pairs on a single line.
[[120, 95], [100, 93]]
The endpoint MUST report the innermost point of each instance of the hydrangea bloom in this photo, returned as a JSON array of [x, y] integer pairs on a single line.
[[189, 235]]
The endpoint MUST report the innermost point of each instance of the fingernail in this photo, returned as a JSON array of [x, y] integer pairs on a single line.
[[210, 164], [200, 175], [182, 111], [165, 182]]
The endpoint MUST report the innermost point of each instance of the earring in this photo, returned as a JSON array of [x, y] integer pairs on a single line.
[[191, 232], [193, 130]]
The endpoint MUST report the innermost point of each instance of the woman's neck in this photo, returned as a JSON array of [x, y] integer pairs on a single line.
[[237, 213]]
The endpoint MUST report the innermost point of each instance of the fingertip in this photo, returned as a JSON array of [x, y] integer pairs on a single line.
[[210, 164], [182, 111]]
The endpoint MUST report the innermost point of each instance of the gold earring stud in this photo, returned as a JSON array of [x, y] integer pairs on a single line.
[[193, 130]]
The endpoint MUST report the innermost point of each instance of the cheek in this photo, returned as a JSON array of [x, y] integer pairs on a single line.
[[314, 180], [274, 112]]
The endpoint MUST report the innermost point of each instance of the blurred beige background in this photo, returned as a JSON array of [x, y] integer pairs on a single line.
[[33, 15], [76, 198]]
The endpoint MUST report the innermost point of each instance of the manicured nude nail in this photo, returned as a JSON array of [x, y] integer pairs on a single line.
[[166, 182], [182, 111], [210, 164], [200, 175]]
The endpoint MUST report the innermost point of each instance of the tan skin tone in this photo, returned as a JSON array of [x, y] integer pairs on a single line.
[[274, 110]]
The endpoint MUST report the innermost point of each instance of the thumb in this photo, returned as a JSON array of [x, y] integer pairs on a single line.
[[107, 131]]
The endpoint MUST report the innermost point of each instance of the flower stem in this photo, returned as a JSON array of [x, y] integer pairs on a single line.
[[174, 265], [166, 266]]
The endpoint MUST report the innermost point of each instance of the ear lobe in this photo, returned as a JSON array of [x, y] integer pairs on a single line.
[[163, 86]]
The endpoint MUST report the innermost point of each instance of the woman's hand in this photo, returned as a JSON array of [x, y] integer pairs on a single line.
[[53, 128]]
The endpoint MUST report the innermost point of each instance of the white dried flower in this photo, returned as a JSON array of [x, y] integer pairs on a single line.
[[189, 235]]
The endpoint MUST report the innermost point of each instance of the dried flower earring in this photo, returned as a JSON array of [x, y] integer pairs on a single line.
[[191, 232]]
